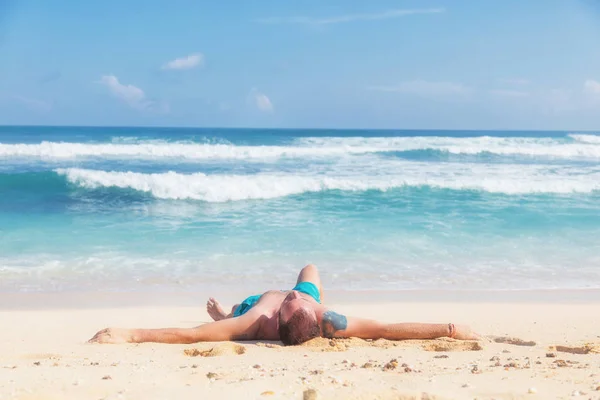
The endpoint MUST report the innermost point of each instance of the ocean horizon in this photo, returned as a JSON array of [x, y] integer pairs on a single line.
[[143, 208]]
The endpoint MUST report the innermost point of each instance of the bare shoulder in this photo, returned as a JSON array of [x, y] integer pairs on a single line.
[[333, 323], [261, 322]]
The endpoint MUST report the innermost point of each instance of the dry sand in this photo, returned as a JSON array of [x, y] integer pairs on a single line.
[[44, 355]]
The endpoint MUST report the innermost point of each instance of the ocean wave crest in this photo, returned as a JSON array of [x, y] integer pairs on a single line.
[[503, 179], [189, 151], [582, 146], [519, 146], [585, 138]]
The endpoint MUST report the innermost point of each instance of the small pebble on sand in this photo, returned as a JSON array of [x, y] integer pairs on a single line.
[[212, 375], [532, 390], [106, 377], [309, 394], [392, 364], [561, 363]]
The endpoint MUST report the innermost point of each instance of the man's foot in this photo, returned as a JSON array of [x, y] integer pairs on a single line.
[[215, 310]]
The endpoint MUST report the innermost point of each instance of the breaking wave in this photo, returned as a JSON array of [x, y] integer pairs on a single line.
[[573, 146]]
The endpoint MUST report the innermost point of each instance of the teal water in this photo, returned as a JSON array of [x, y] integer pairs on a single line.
[[149, 208]]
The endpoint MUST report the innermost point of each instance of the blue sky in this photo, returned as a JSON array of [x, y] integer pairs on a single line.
[[338, 63]]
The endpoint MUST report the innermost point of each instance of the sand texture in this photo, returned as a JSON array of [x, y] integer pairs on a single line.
[[530, 351]]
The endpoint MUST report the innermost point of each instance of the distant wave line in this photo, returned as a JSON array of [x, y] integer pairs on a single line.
[[573, 146]]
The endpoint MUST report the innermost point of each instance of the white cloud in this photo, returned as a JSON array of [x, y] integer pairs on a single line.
[[132, 95], [591, 86], [509, 93], [261, 101], [425, 88], [34, 104], [188, 62], [349, 17]]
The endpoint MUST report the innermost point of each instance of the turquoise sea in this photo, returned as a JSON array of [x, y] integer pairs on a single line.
[[130, 209]]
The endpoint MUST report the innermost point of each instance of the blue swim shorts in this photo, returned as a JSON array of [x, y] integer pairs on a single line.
[[308, 288]]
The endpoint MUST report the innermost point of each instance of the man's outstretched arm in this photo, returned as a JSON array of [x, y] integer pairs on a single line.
[[240, 328], [340, 326]]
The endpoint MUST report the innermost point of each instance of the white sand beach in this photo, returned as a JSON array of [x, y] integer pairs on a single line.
[[44, 354]]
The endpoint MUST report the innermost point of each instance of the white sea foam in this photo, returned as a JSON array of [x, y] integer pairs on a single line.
[[506, 179], [523, 146], [585, 138], [584, 146], [190, 151]]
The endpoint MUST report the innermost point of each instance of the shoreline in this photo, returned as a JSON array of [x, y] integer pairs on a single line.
[[185, 298]]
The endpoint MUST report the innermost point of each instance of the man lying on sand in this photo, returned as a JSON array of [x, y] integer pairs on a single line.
[[293, 317]]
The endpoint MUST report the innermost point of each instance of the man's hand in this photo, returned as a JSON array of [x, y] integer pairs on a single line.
[[463, 332], [113, 336]]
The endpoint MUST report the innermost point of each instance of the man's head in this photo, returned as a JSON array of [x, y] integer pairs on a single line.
[[297, 320]]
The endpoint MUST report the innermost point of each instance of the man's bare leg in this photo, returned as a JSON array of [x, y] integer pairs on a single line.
[[310, 273], [216, 311]]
